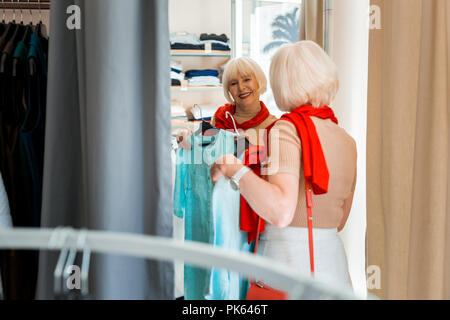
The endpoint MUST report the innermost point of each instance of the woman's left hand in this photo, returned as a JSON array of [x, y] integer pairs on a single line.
[[225, 166]]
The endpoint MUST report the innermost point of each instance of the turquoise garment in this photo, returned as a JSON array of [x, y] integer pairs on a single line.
[[211, 214], [227, 284], [21, 51]]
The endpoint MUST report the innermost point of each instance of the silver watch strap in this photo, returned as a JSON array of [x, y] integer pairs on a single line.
[[238, 175]]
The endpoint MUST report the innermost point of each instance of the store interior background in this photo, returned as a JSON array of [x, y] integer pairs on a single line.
[[348, 46]]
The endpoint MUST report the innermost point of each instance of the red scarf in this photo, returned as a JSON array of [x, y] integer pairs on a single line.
[[254, 156], [222, 122], [315, 167]]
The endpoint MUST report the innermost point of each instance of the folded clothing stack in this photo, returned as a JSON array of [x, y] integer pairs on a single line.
[[207, 77], [213, 36], [189, 41], [177, 109], [176, 73]]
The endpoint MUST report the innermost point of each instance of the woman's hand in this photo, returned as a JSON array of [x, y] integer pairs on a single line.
[[226, 166], [183, 138]]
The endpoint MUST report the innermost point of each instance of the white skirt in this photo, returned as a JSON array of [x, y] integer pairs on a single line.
[[290, 245]]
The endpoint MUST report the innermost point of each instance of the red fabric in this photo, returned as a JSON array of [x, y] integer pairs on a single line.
[[253, 158], [314, 165], [255, 292], [222, 122]]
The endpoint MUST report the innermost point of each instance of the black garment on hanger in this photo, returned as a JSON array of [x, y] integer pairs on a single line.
[[17, 181], [10, 46], [213, 36], [7, 34]]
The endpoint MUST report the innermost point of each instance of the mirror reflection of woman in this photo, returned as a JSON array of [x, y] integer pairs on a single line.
[[304, 81], [243, 83]]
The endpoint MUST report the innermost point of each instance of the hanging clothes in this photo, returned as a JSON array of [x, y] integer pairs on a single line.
[[23, 81], [32, 131], [211, 215]]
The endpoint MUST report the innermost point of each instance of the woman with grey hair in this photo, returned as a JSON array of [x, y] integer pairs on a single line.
[[243, 84], [314, 154]]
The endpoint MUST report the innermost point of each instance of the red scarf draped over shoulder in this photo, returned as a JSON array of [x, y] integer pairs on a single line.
[[315, 167], [222, 122], [254, 157]]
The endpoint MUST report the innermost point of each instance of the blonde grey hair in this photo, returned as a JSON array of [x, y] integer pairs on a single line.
[[243, 66], [302, 73]]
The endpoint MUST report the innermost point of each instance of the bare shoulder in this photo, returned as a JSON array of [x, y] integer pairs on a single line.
[[285, 128], [284, 125], [350, 140]]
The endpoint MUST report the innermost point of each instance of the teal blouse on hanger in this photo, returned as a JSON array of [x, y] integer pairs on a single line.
[[211, 215]]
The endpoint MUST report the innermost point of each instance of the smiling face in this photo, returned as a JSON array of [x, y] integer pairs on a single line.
[[244, 90]]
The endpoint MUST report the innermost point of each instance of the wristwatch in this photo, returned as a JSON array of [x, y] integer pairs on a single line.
[[234, 181]]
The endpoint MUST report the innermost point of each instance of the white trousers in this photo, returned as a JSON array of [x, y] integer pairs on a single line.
[[290, 245]]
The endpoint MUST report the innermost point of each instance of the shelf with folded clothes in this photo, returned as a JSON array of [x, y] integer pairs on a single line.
[[196, 88], [206, 42], [195, 80]]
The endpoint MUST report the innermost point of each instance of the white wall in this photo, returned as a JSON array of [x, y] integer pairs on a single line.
[[200, 16], [350, 49]]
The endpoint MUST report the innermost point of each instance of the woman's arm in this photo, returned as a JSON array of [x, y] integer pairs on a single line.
[[274, 200], [348, 204]]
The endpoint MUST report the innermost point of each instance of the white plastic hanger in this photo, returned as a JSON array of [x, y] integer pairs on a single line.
[[60, 235], [234, 122]]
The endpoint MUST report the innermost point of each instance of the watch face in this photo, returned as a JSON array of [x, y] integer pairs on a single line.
[[234, 185]]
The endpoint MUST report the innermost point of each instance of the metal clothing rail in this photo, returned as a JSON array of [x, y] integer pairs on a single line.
[[199, 254], [25, 4]]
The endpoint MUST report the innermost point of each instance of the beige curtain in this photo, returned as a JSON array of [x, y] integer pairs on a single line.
[[408, 176], [311, 21]]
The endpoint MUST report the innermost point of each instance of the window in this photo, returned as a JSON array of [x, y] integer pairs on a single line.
[[260, 28]]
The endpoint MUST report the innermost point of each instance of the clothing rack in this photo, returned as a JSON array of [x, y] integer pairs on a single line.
[[25, 5], [151, 247]]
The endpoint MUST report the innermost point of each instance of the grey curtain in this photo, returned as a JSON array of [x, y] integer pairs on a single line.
[[107, 156]]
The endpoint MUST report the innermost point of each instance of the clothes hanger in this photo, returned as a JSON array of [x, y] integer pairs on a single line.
[[205, 126], [10, 27], [28, 29], [241, 142], [19, 27], [25, 38], [81, 243], [206, 129], [41, 29], [85, 266], [32, 68], [3, 23], [14, 29], [57, 274], [228, 114], [67, 270]]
